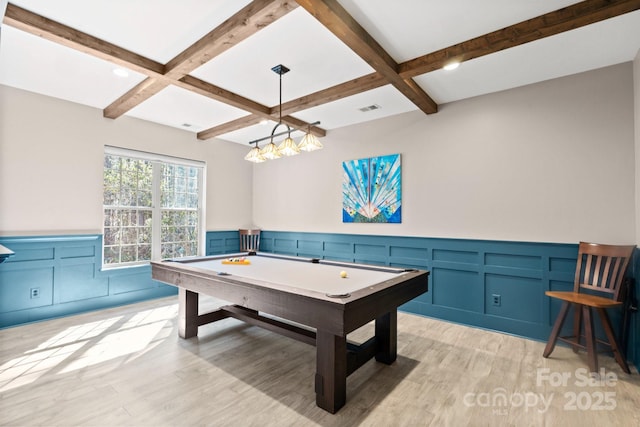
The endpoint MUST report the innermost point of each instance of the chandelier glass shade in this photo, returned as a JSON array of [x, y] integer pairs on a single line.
[[255, 155], [310, 143], [288, 147], [270, 151]]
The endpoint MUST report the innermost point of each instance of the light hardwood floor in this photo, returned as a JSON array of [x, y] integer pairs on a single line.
[[127, 367]]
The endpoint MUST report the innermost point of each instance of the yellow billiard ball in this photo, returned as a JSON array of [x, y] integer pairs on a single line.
[[343, 274]]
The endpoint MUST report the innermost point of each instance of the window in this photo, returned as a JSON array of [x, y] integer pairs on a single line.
[[152, 207]]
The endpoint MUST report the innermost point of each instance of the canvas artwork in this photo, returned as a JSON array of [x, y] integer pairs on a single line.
[[371, 189]]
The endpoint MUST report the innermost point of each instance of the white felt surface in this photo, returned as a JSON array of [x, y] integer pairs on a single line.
[[304, 275]]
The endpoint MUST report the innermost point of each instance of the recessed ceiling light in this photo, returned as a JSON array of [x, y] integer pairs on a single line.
[[451, 66], [120, 72], [264, 122]]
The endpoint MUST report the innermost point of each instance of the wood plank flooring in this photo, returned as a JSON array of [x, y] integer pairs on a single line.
[[127, 367]]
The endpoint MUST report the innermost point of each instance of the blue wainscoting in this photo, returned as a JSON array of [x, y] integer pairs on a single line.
[[53, 276], [495, 285], [466, 276], [222, 242]]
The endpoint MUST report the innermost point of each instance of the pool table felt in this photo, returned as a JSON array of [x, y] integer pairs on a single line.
[[321, 278]]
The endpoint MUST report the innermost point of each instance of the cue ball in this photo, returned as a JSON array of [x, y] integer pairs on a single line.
[[343, 274]]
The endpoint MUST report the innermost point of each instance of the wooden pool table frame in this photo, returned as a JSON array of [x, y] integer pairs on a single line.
[[329, 319]]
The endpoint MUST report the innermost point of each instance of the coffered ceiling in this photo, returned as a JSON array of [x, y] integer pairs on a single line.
[[205, 66]]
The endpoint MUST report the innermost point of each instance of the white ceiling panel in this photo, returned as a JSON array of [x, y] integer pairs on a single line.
[[407, 29], [155, 29], [386, 100], [161, 29], [316, 58], [37, 65], [185, 110], [587, 48]]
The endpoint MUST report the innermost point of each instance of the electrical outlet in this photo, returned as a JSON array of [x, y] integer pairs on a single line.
[[496, 300], [35, 292]]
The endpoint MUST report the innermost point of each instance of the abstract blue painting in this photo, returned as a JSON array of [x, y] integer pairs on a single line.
[[372, 190]]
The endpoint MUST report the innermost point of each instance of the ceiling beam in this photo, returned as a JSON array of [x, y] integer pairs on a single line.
[[549, 24], [253, 119], [566, 19], [575, 16], [40, 26], [219, 94], [231, 126], [156, 79], [337, 20], [209, 90], [246, 22], [334, 93], [252, 18], [134, 97]]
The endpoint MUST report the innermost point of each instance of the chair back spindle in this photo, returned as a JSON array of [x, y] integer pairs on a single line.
[[249, 240]]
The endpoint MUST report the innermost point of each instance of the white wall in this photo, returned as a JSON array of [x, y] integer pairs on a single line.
[[551, 162], [51, 159]]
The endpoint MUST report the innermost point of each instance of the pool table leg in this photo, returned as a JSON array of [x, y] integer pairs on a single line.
[[331, 371], [387, 337], [187, 313]]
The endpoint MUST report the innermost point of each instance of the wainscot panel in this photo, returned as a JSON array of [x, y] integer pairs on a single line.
[[458, 289], [78, 282], [222, 242], [496, 285], [23, 289], [54, 276]]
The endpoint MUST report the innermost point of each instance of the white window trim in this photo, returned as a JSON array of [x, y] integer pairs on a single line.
[[156, 233], [145, 155]]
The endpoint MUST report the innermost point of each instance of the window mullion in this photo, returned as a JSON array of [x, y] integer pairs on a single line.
[[202, 247], [156, 229]]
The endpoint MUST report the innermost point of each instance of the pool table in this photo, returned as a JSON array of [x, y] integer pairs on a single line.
[[305, 299], [5, 253]]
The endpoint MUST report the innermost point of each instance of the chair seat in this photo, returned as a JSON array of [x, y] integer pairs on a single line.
[[584, 299]]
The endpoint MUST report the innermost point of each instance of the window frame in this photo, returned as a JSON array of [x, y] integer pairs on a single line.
[[157, 161]]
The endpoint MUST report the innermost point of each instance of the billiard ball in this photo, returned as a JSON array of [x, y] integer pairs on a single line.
[[343, 274]]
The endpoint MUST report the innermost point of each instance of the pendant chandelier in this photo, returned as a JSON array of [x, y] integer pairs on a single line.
[[288, 147]]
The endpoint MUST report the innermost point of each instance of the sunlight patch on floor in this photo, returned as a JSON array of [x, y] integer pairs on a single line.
[[89, 344]]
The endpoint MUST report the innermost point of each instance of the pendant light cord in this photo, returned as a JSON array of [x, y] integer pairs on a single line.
[[280, 104]]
